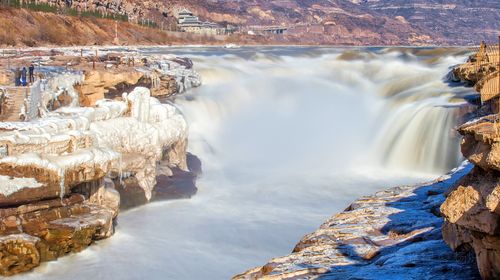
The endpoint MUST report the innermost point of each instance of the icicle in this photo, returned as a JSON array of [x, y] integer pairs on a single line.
[[120, 168], [61, 183]]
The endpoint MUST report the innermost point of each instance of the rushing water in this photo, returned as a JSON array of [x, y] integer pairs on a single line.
[[287, 137]]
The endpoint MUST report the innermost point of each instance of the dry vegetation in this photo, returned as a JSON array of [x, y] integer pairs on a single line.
[[28, 28]]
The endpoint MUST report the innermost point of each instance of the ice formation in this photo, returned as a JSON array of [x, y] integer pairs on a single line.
[[77, 144], [10, 185], [78, 158]]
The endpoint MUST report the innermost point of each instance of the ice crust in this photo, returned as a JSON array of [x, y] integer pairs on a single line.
[[75, 138]]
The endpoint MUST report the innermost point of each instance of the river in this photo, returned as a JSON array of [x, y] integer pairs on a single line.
[[287, 137]]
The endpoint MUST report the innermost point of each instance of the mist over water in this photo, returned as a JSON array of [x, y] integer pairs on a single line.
[[287, 137]]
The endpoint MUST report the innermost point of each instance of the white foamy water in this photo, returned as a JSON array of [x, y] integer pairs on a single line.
[[287, 137]]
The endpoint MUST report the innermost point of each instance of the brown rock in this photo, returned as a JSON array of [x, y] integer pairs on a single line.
[[131, 193], [472, 72], [97, 83], [487, 249], [472, 208], [457, 237], [480, 144], [466, 206], [18, 253]]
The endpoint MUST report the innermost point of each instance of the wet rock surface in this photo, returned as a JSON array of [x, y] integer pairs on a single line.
[[394, 234]]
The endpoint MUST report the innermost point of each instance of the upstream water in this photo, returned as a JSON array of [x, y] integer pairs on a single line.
[[287, 137]]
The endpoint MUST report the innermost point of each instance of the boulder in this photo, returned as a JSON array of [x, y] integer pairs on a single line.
[[18, 253], [481, 142], [472, 207], [474, 204]]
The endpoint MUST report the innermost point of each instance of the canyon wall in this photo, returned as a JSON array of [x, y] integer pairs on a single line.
[[472, 207]]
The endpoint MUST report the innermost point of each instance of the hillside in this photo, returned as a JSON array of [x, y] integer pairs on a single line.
[[27, 28], [458, 22], [339, 22]]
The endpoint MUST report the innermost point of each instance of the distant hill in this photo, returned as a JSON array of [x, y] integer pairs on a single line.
[[456, 22], [339, 22]]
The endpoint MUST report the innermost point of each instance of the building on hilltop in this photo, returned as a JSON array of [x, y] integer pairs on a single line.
[[187, 21]]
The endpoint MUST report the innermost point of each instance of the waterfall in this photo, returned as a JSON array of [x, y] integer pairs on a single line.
[[287, 137], [394, 112], [420, 136]]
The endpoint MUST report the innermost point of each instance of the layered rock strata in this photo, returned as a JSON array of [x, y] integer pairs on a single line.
[[60, 175], [163, 75], [394, 234], [472, 208]]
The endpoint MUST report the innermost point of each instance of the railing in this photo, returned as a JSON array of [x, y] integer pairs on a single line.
[[486, 64], [32, 98]]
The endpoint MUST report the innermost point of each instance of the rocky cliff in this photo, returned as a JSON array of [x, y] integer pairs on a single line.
[[65, 175], [355, 21], [56, 173], [472, 207]]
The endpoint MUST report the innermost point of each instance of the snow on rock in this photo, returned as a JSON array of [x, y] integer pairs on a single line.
[[62, 83], [180, 68], [74, 144], [9, 185], [63, 175]]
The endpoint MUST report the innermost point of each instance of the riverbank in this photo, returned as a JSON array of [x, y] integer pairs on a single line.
[[253, 205], [88, 139], [393, 234]]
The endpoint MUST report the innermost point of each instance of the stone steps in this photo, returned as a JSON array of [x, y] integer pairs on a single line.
[[14, 101]]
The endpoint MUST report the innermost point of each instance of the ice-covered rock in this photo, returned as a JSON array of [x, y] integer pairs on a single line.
[[58, 173]]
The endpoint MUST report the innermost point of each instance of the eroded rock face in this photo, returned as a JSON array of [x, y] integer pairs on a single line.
[[474, 204], [480, 144], [96, 83], [473, 72], [164, 76], [391, 234], [472, 207], [18, 253], [45, 230], [56, 186]]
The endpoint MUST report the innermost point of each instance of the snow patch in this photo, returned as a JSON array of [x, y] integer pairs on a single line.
[[10, 185]]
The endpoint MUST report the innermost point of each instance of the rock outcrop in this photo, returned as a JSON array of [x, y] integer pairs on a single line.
[[163, 75], [98, 82], [385, 236], [472, 208], [61, 175]]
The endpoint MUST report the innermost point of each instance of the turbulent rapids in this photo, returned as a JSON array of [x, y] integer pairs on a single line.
[[286, 136]]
